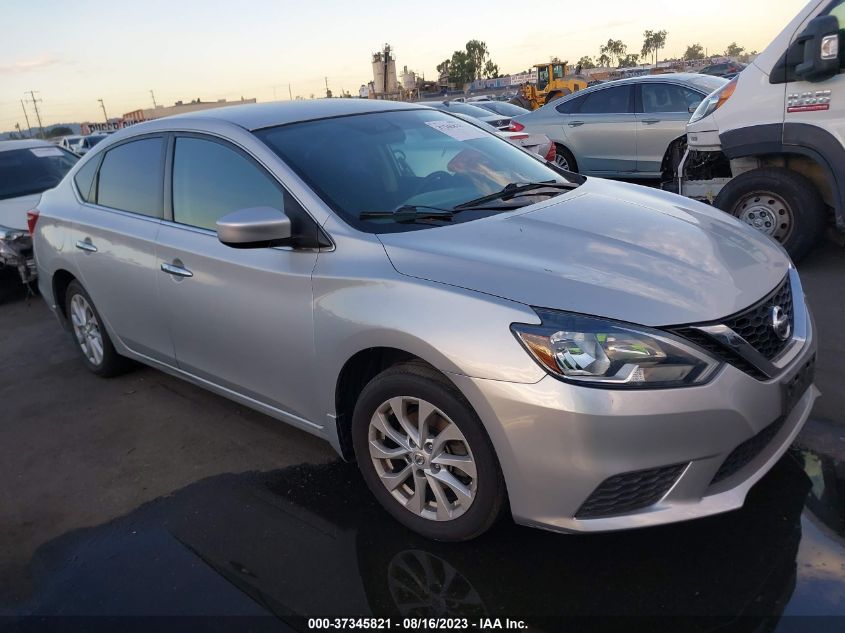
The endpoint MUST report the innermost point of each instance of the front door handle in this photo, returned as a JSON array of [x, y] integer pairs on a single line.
[[575, 123], [651, 121], [176, 269], [86, 245]]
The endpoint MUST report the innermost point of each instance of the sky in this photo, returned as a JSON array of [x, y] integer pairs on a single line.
[[74, 53]]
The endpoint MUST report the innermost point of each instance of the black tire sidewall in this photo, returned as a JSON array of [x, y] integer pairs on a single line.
[[489, 496], [112, 363], [805, 204], [563, 151]]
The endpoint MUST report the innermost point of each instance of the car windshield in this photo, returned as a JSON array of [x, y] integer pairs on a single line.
[[463, 108], [503, 108], [384, 161], [707, 83], [33, 170]]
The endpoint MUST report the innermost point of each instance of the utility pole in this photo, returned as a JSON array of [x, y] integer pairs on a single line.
[[103, 106], [35, 103], [152, 94], [328, 92], [290, 93], [26, 116], [18, 128]]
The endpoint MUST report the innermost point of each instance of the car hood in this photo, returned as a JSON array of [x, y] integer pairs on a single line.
[[13, 210], [607, 249]]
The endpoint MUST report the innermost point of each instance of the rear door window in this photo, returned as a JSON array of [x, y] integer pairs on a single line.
[[84, 180], [663, 97], [130, 177]]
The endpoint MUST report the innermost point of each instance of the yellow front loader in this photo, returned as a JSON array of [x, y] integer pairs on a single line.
[[553, 82]]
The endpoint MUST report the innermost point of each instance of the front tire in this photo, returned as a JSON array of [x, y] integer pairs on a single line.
[[89, 334], [780, 203], [425, 455]]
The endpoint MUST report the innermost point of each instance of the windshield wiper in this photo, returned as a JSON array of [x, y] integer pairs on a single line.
[[409, 213], [511, 190]]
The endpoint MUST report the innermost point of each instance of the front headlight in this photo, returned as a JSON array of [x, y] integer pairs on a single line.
[[715, 101], [599, 353]]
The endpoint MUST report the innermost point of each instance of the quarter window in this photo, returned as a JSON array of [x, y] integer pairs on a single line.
[[84, 180], [211, 180], [608, 101], [130, 177]]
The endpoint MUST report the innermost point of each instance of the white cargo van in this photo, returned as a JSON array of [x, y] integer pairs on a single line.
[[769, 147]]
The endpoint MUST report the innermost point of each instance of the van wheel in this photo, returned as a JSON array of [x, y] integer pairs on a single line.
[[89, 334], [425, 456], [780, 203]]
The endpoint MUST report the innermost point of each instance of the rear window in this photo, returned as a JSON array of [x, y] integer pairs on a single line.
[[131, 177], [29, 171]]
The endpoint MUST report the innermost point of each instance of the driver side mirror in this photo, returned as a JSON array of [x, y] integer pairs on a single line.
[[256, 227], [813, 56]]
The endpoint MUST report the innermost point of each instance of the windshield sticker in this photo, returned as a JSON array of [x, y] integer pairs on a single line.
[[458, 130], [46, 152]]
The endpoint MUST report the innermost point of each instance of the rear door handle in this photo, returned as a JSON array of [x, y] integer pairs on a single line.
[[575, 123], [86, 245], [651, 121], [177, 270]]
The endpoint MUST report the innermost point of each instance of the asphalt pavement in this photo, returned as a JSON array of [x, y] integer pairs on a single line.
[[145, 495]]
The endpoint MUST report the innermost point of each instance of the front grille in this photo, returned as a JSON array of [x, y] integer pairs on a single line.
[[631, 491], [748, 450], [754, 325]]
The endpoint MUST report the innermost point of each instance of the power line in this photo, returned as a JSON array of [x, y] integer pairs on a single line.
[[26, 116], [35, 103]]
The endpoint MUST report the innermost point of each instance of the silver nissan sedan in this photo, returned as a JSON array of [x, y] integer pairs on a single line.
[[481, 330]]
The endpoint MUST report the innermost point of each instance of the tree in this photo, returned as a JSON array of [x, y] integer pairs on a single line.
[[630, 60], [694, 51], [471, 63], [586, 62], [59, 130], [653, 41], [614, 49], [604, 60], [734, 50], [443, 69]]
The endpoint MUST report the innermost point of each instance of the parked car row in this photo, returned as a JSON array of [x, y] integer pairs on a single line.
[[27, 168]]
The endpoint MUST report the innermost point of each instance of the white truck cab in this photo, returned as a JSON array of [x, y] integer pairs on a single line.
[[769, 147]]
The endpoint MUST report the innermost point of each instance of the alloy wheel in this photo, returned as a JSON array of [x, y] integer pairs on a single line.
[[560, 161], [86, 329], [422, 458]]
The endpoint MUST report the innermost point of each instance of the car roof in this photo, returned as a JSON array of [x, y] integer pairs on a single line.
[[7, 146], [260, 115]]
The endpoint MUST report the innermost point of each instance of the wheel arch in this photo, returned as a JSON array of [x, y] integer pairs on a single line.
[[562, 146], [62, 278], [806, 149], [356, 372]]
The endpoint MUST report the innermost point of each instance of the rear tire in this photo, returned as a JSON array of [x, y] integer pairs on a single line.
[[445, 489], [780, 203], [89, 334], [564, 159]]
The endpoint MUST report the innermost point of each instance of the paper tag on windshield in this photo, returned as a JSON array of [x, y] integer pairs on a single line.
[[46, 152], [458, 130]]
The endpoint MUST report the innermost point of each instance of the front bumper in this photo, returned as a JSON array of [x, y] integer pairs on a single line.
[[557, 442]]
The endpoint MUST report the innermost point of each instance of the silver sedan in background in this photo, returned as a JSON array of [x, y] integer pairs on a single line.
[[621, 128]]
